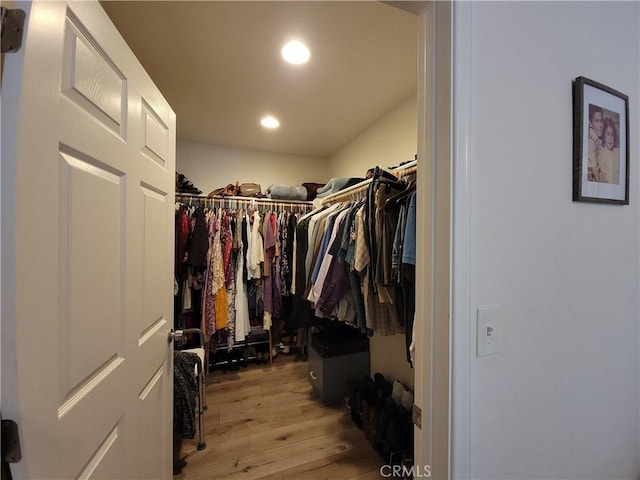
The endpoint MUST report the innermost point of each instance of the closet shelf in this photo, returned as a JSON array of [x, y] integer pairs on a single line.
[[222, 348], [255, 333], [354, 192]]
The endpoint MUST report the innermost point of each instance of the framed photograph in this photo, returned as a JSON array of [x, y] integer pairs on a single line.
[[600, 143]]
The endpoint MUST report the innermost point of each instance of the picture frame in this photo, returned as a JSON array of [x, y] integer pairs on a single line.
[[600, 143]]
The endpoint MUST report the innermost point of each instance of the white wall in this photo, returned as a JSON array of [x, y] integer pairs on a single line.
[[387, 142], [561, 399], [390, 140], [210, 167]]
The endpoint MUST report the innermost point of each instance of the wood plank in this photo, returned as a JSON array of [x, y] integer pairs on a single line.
[[345, 465], [264, 423], [272, 438], [318, 409], [284, 457], [273, 476], [253, 423]]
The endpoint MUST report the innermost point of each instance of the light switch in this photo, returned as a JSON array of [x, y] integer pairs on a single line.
[[488, 331]]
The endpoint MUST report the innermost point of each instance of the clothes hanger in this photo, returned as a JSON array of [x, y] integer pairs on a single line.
[[411, 187], [388, 183]]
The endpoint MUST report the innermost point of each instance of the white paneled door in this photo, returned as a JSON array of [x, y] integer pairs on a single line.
[[88, 161]]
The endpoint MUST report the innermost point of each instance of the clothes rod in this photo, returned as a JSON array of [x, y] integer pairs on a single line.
[[347, 193], [250, 200], [406, 168]]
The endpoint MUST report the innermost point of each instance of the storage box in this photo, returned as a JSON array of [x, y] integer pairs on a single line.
[[328, 345], [329, 375]]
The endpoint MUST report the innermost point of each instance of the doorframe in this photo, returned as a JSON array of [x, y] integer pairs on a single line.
[[433, 235], [462, 315], [8, 105]]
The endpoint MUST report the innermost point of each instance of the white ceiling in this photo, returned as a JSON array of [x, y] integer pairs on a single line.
[[218, 64]]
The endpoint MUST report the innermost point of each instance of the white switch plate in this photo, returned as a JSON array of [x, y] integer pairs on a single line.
[[488, 331]]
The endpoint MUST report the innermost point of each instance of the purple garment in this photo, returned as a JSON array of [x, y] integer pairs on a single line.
[[226, 240], [336, 285], [277, 285], [269, 254]]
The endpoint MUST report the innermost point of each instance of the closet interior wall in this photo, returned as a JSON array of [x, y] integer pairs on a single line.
[[213, 166]]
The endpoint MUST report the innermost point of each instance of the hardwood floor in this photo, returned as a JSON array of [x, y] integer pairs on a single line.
[[263, 423]]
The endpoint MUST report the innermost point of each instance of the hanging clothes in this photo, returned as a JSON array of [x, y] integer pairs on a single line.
[[409, 275], [227, 241], [270, 252], [243, 327], [255, 248], [348, 261], [226, 272]]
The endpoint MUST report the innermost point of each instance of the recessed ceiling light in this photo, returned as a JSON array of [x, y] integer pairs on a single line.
[[270, 122], [295, 52]]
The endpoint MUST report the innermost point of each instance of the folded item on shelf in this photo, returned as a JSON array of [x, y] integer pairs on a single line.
[[230, 190], [249, 189], [335, 184], [287, 192], [312, 189], [183, 185]]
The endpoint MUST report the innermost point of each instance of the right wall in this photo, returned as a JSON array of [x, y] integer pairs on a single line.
[[561, 399]]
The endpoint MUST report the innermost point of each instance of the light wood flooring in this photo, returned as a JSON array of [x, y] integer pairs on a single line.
[[263, 423]]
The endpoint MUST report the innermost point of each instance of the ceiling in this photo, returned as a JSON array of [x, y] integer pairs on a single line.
[[218, 64]]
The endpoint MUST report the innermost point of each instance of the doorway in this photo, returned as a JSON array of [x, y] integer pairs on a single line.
[[433, 22]]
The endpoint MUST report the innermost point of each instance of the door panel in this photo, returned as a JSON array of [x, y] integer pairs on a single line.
[[107, 457], [91, 202], [90, 78], [152, 402], [156, 135], [87, 210], [155, 206]]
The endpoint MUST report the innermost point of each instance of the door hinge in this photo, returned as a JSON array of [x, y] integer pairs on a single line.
[[416, 416], [11, 452], [11, 29]]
